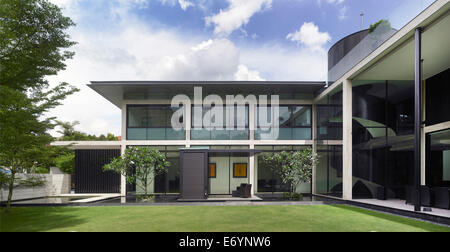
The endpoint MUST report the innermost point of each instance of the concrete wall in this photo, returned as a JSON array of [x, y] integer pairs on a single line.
[[56, 184]]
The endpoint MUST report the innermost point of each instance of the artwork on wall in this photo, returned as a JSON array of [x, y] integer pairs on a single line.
[[212, 170], [239, 170]]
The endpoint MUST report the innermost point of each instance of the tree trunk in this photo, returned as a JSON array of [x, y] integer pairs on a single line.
[[146, 186], [11, 188]]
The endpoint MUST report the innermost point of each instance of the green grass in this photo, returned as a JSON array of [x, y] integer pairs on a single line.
[[210, 218]]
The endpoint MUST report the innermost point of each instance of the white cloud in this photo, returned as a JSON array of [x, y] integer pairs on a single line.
[[236, 15], [280, 63], [310, 36], [184, 4], [342, 13], [134, 50], [244, 74], [209, 60], [339, 4], [335, 1]]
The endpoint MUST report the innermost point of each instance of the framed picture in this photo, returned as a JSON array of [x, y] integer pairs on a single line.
[[239, 170], [212, 170]]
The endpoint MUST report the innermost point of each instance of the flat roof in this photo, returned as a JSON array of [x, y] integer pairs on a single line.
[[119, 91], [208, 82]]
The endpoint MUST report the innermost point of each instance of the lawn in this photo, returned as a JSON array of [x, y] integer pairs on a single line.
[[209, 219]]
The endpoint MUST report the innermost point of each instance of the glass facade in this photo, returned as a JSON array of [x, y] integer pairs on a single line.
[[295, 123], [233, 123], [329, 118], [383, 127], [268, 181], [438, 159], [437, 92], [329, 170], [329, 127], [153, 122], [168, 182]]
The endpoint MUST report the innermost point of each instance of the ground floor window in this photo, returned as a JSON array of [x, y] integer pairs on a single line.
[[268, 181], [168, 183], [329, 170], [438, 159]]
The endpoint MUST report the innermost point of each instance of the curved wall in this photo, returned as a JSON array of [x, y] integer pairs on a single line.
[[344, 46]]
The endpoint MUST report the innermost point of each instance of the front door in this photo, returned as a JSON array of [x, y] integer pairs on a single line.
[[193, 175]]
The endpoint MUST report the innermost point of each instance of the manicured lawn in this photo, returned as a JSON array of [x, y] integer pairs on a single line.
[[209, 218]]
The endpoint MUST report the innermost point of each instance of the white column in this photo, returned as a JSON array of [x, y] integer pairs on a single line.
[[251, 118], [423, 139], [314, 147], [123, 179], [124, 122], [347, 180], [251, 176], [188, 119]]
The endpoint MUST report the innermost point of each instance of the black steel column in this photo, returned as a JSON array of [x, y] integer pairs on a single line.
[[418, 116]]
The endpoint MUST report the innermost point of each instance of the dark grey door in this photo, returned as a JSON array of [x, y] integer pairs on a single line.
[[193, 175]]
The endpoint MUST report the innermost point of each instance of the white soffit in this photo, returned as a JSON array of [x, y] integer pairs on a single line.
[[399, 65]]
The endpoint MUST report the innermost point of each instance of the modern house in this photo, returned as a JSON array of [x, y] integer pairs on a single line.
[[381, 124]]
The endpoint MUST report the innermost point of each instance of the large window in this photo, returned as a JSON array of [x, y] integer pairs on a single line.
[[329, 118], [294, 123], [383, 147], [267, 181], [150, 122], [168, 182], [437, 97], [438, 159], [233, 123], [329, 170]]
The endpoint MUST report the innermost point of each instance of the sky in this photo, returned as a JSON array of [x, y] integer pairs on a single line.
[[205, 40]]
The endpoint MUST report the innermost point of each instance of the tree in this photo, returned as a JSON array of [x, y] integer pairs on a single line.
[[294, 168], [32, 46], [69, 133], [68, 128], [139, 165], [382, 26], [66, 162], [32, 43]]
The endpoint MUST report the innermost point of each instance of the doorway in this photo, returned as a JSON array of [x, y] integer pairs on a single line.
[[227, 171]]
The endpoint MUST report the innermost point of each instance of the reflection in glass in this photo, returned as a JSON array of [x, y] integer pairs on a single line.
[[438, 159], [268, 181], [329, 170], [151, 122]]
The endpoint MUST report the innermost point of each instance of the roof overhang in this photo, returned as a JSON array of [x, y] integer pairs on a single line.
[[399, 64], [117, 92]]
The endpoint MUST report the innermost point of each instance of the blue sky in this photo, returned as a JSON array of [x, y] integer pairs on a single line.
[[206, 40], [338, 18]]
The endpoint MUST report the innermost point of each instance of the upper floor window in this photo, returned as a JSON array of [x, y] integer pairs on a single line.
[[220, 123], [294, 123], [153, 122]]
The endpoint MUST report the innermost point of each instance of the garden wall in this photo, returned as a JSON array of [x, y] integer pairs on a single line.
[[57, 183]]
